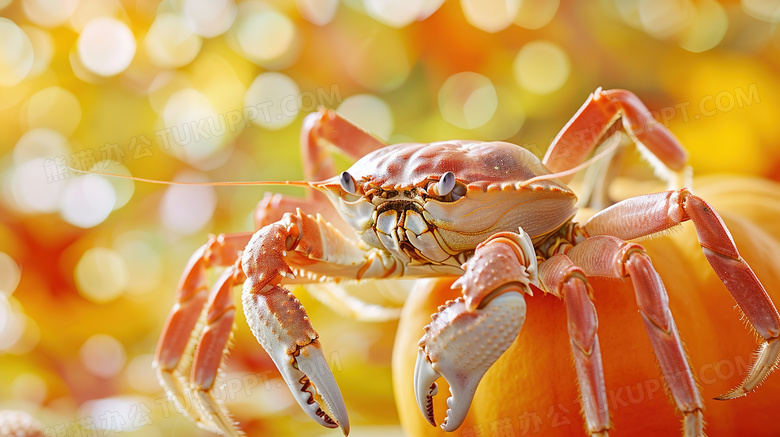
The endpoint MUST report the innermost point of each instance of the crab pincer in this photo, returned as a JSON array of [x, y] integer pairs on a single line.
[[282, 327], [467, 335], [460, 346]]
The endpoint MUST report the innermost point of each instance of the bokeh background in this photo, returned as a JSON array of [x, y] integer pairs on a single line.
[[202, 90]]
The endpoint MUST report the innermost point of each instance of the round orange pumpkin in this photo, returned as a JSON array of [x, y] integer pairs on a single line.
[[532, 388]]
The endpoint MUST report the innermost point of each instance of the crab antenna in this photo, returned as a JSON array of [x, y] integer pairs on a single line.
[[573, 170], [215, 184]]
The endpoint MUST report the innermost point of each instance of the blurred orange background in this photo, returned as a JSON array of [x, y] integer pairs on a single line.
[[198, 90]]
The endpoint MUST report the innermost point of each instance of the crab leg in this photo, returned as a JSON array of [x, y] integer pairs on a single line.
[[175, 347], [327, 128], [211, 349], [467, 335], [561, 277], [612, 257], [653, 213], [589, 126], [321, 131], [301, 248]]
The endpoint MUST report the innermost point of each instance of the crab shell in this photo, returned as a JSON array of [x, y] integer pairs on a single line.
[[496, 198]]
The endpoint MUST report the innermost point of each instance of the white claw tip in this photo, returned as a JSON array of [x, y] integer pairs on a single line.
[[733, 394]]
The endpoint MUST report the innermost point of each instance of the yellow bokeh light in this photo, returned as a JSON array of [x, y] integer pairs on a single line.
[[541, 67], [123, 188], [490, 15], [190, 120], [16, 57], [140, 374], [54, 108], [143, 262], [49, 13], [664, 18], [29, 335], [399, 14], [10, 97], [19, 333], [209, 18], [265, 36], [43, 49], [30, 387], [273, 98], [9, 274], [185, 210], [508, 119], [319, 12], [380, 61], [766, 10], [370, 113], [40, 143], [106, 46], [6, 315], [87, 201], [88, 10], [220, 83], [32, 186], [170, 43], [101, 275], [708, 28], [163, 86], [467, 100], [535, 14], [30, 190], [103, 355], [81, 71]]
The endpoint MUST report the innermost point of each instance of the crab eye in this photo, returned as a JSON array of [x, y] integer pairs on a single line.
[[347, 183], [446, 183], [458, 192]]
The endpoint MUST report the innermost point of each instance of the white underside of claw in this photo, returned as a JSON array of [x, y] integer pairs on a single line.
[[282, 327], [311, 382], [460, 346]]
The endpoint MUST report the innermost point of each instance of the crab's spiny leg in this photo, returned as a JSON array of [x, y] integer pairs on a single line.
[[561, 277], [324, 129], [652, 213], [211, 349], [612, 257], [588, 127], [173, 355], [273, 206]]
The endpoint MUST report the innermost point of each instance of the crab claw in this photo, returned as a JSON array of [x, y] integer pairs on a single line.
[[460, 345], [282, 328]]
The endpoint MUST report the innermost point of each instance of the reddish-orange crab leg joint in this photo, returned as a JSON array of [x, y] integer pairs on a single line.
[[588, 126], [212, 346], [609, 256], [562, 278], [301, 248], [180, 327], [652, 213], [326, 128]]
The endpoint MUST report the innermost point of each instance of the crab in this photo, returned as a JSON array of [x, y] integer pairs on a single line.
[[492, 215]]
